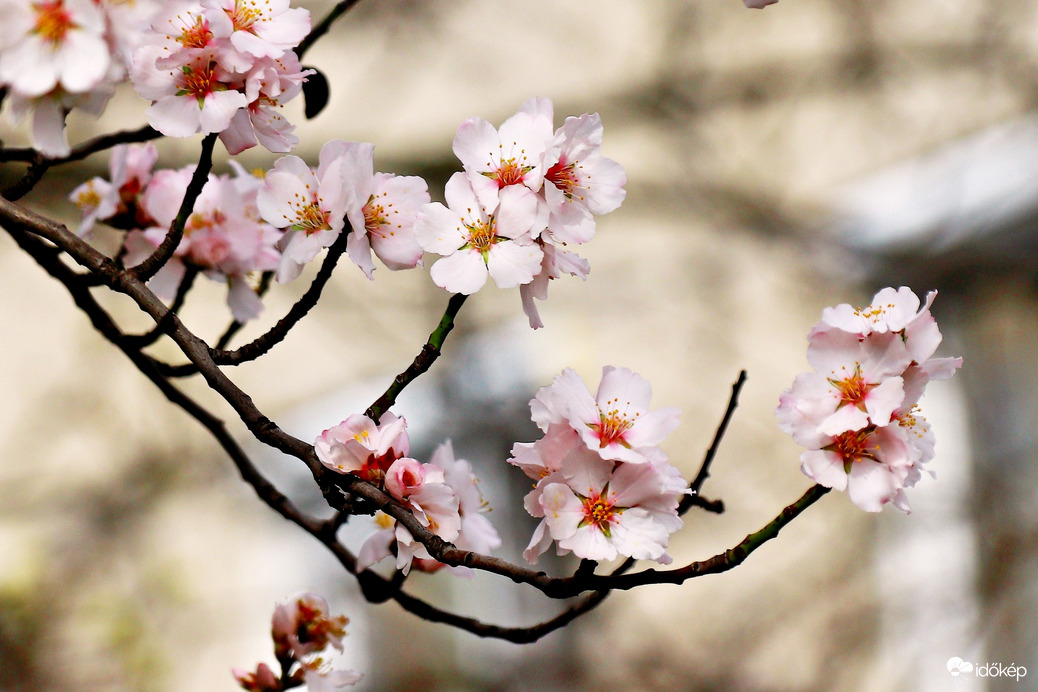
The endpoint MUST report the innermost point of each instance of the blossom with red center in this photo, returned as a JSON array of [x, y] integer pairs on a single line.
[[600, 510], [302, 630], [381, 211], [855, 383], [616, 423], [580, 183], [197, 97], [872, 465], [512, 156], [263, 29], [52, 44], [311, 204], [360, 446], [857, 413], [476, 240]]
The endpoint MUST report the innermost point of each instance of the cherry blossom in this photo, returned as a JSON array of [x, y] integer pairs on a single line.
[[223, 237], [263, 680], [599, 509], [476, 240], [360, 446], [857, 413], [580, 183], [51, 44], [310, 204], [265, 29], [98, 199], [476, 533], [512, 156], [223, 64], [616, 423], [302, 630], [304, 625], [871, 464], [63, 55], [381, 211], [268, 84], [435, 505]]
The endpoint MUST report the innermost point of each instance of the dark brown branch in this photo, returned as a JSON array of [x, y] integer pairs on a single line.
[[147, 269], [40, 164], [24, 222], [276, 334], [91, 146], [422, 362], [144, 340], [322, 27], [704, 469], [47, 258]]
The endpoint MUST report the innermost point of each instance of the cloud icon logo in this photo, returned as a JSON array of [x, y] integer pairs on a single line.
[[959, 668]]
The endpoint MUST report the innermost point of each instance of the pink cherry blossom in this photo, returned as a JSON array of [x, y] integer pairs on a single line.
[[360, 446], [263, 680], [311, 204], [890, 311], [223, 237], [304, 626], [856, 381], [381, 211], [268, 84], [600, 510], [232, 60], [265, 29], [616, 423], [477, 241], [512, 156], [870, 464], [579, 182], [198, 98], [476, 533], [435, 505], [51, 44], [99, 199], [857, 413], [405, 477]]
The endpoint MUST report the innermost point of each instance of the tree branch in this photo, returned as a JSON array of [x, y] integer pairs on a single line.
[[422, 362]]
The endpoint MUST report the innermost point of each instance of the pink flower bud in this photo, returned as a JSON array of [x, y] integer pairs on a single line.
[[405, 477]]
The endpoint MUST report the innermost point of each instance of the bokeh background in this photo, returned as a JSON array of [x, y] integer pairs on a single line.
[[779, 161]]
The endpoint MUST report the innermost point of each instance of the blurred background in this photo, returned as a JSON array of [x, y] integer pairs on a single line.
[[779, 161]]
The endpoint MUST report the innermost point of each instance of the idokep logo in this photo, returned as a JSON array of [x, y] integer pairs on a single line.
[[961, 669]]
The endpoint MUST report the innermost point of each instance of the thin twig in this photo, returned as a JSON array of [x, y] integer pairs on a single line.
[[148, 268], [276, 334], [321, 28], [149, 337], [422, 362]]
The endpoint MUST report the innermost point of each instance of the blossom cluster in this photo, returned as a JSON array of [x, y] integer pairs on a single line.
[[302, 629], [56, 55], [443, 494], [224, 237], [314, 205], [603, 486], [224, 66], [527, 192], [857, 413]]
